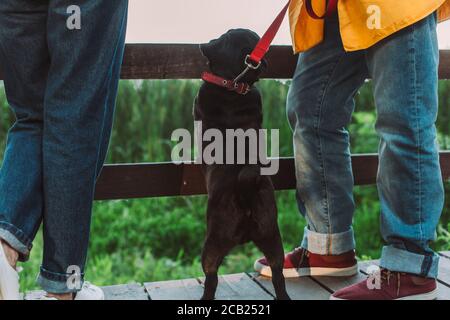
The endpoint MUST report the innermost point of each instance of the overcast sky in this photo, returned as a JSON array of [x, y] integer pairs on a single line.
[[195, 21]]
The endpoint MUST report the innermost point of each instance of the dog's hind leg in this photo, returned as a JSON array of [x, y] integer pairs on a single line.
[[272, 249], [212, 257]]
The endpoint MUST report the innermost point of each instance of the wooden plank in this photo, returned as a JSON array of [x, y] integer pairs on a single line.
[[337, 283], [128, 181], [163, 61], [444, 274], [444, 65], [125, 292], [239, 287], [132, 291], [444, 271], [189, 289], [444, 292], [184, 61], [298, 288]]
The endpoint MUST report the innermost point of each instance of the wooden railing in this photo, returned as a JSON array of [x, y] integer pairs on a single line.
[[184, 61]]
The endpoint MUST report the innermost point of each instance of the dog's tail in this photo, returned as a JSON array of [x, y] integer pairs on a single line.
[[249, 179]]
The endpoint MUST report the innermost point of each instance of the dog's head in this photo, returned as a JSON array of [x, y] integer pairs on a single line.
[[226, 55]]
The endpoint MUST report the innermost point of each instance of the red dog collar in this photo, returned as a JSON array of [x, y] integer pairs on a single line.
[[231, 85]]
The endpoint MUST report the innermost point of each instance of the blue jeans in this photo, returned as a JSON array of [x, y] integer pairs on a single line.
[[61, 85], [404, 69]]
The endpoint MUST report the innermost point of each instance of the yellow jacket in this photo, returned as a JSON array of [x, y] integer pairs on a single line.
[[362, 22]]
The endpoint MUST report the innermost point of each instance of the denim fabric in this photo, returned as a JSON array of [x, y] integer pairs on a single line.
[[61, 85], [404, 69]]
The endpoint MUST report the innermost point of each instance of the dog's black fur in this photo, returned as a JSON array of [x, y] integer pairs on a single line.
[[241, 202]]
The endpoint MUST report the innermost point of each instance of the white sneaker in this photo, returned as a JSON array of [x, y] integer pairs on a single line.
[[90, 292], [9, 279]]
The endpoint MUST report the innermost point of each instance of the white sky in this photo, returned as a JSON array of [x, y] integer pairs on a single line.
[[196, 21]]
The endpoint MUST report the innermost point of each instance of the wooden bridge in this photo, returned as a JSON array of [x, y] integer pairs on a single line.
[[248, 286], [128, 181]]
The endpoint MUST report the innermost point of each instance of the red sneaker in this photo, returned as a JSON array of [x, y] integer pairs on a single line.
[[300, 263], [391, 286]]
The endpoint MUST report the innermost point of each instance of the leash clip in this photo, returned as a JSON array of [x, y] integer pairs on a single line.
[[250, 65]]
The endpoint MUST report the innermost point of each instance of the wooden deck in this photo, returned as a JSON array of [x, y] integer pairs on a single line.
[[245, 286]]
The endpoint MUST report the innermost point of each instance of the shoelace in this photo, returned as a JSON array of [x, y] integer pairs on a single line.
[[386, 276]]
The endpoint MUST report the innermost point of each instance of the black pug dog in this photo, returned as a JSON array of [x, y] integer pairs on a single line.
[[241, 202]]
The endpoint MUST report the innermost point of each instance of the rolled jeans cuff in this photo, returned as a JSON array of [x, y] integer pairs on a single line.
[[59, 282], [328, 244], [399, 260], [17, 239]]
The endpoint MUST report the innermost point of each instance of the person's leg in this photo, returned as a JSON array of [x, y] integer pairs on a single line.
[[404, 68], [78, 108], [320, 105], [405, 75], [25, 62]]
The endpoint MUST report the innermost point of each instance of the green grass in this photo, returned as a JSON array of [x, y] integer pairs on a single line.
[[159, 239]]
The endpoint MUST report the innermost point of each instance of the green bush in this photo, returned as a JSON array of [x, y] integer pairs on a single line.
[[157, 239]]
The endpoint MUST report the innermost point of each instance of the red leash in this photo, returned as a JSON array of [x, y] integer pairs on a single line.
[[253, 60], [263, 45]]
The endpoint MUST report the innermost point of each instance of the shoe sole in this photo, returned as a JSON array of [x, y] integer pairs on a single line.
[[423, 296], [266, 271]]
